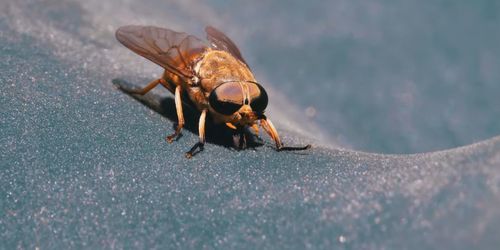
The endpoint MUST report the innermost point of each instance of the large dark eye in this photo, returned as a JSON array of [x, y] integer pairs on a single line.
[[258, 97], [226, 98]]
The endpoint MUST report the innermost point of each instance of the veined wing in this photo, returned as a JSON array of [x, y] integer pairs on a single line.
[[220, 41], [174, 51]]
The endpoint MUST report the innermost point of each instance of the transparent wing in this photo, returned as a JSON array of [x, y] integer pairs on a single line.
[[220, 41], [172, 50]]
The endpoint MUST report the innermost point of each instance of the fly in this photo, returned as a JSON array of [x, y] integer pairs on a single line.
[[214, 76]]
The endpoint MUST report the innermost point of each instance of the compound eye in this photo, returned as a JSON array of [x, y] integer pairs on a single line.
[[258, 97], [226, 98]]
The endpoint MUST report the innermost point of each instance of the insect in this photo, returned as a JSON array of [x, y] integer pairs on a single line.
[[213, 76]]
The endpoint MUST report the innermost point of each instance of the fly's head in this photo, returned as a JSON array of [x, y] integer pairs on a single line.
[[241, 103]]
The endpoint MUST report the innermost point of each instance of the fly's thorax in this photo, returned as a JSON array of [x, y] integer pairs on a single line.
[[218, 66]]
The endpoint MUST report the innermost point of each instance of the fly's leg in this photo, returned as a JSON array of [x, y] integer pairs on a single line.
[[146, 89], [243, 138], [268, 126], [201, 132], [180, 115]]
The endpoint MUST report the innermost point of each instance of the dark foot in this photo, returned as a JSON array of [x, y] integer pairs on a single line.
[[294, 148], [192, 152], [243, 141], [173, 137]]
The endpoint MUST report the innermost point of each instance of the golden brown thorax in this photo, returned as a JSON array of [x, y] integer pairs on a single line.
[[218, 66]]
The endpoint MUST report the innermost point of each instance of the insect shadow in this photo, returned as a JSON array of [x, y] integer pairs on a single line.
[[217, 134]]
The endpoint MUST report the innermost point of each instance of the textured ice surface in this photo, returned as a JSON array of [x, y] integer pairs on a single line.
[[83, 165]]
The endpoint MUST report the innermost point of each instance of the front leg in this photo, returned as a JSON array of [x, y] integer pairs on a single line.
[[268, 126], [271, 130], [180, 115]]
